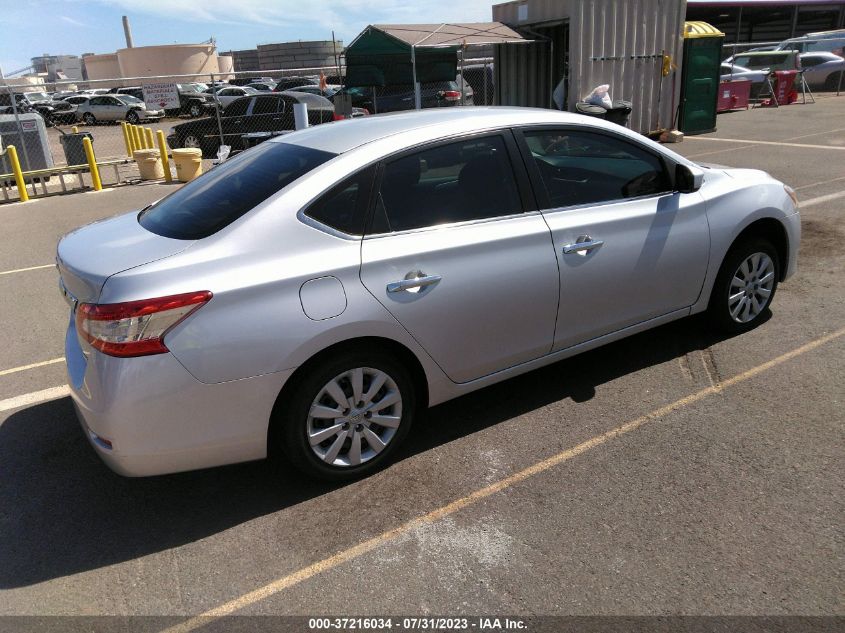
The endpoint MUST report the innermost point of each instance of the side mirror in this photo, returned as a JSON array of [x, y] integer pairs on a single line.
[[688, 179]]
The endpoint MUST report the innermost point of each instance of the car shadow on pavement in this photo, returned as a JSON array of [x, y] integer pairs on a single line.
[[62, 511]]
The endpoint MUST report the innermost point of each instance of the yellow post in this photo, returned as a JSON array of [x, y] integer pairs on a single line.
[[16, 170], [126, 139], [92, 164], [148, 133], [162, 149], [136, 135], [75, 129], [131, 137]]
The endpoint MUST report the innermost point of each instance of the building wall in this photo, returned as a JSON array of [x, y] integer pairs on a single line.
[[741, 22], [172, 59], [615, 42], [308, 54], [225, 63], [103, 67], [244, 60]]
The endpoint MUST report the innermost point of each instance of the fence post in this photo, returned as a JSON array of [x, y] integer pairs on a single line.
[[162, 149], [217, 112], [16, 170], [123, 127], [92, 164]]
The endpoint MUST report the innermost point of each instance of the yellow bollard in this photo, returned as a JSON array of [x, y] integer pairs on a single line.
[[131, 137], [126, 139], [16, 170], [75, 130], [165, 163], [148, 135], [92, 164], [137, 137]]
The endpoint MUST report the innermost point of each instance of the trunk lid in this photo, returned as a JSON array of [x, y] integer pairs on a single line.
[[88, 256]]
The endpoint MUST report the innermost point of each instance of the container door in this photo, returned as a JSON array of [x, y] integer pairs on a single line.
[[700, 84]]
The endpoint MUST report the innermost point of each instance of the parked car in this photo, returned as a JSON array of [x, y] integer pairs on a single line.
[[401, 96], [54, 112], [475, 76], [308, 296], [110, 108], [249, 115], [262, 86], [732, 72], [766, 60], [289, 83], [227, 94], [328, 92], [821, 42], [823, 70]]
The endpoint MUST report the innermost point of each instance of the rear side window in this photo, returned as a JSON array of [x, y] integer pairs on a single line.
[[219, 197], [456, 182], [583, 167], [344, 207]]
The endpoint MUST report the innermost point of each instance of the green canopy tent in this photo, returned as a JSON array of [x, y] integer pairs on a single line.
[[387, 54]]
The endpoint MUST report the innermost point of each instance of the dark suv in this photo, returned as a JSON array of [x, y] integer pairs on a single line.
[[53, 112], [436, 94]]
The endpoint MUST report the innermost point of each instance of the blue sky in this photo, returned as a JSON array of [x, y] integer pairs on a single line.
[[32, 27]]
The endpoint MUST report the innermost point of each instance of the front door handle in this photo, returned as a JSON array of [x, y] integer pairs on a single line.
[[584, 243], [419, 280]]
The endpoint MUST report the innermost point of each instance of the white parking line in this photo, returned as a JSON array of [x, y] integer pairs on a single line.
[[23, 270], [795, 138], [43, 363], [35, 397], [821, 199], [819, 183], [781, 144]]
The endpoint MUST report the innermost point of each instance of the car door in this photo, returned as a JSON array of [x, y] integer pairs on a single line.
[[630, 249], [114, 109], [265, 114], [458, 256], [235, 121]]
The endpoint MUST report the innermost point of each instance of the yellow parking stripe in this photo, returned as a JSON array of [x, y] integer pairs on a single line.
[[355, 551]]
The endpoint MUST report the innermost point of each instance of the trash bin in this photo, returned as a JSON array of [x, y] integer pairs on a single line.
[[74, 148], [188, 163], [733, 95], [619, 113], [588, 109], [149, 164], [785, 91]]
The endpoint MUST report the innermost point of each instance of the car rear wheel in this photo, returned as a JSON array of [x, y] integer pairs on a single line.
[[745, 286], [132, 117], [89, 119], [346, 416], [832, 82], [192, 140]]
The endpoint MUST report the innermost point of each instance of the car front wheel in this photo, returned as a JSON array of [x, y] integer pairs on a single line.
[[195, 110], [346, 416], [745, 286], [132, 118]]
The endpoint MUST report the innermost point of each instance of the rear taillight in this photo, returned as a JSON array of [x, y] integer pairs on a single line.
[[451, 95], [337, 117], [135, 328]]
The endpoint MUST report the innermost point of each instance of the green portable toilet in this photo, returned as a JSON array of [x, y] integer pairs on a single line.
[[700, 77]]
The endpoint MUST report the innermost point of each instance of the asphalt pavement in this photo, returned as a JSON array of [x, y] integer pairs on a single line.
[[672, 473]]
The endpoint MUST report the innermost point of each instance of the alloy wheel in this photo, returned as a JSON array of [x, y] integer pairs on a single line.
[[751, 287], [354, 417], [191, 141]]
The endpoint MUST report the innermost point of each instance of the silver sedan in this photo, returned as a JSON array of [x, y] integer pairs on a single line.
[[308, 297]]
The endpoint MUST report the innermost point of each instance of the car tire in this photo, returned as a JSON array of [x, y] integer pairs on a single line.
[[132, 118], [195, 110], [336, 458], [832, 81], [745, 286], [89, 119]]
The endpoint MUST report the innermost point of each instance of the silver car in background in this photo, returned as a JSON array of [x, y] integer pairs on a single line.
[[110, 108], [307, 297]]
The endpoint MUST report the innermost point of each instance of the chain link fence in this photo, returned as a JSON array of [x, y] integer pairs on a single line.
[[237, 110]]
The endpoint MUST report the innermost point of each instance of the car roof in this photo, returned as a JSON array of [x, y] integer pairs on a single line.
[[343, 136]]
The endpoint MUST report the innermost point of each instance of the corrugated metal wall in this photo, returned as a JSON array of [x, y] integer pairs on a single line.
[[617, 42]]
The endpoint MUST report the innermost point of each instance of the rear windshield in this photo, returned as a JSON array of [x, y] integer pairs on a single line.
[[219, 197]]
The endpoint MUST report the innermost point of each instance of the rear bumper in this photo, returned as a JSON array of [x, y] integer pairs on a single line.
[[149, 416]]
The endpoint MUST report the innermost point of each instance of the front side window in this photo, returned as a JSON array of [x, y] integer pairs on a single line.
[[583, 167], [458, 182], [220, 196], [238, 107], [266, 105]]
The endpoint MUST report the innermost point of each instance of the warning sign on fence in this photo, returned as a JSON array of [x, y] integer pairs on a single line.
[[161, 96]]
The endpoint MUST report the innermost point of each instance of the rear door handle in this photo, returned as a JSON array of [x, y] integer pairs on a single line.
[[420, 281], [584, 243]]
